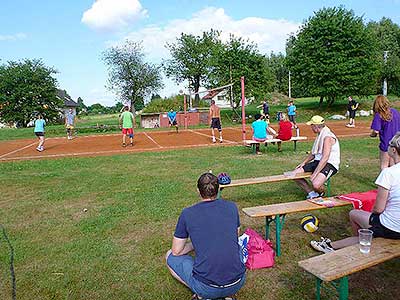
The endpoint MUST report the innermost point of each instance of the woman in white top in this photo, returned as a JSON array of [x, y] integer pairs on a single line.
[[384, 220]]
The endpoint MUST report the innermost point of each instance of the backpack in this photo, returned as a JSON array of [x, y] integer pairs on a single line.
[[260, 251]]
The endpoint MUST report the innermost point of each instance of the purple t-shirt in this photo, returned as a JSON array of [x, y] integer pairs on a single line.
[[386, 129]]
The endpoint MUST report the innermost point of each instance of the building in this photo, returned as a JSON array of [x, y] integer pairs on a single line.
[[68, 102], [221, 98]]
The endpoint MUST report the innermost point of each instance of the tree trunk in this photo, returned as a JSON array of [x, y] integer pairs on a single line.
[[196, 90], [321, 99]]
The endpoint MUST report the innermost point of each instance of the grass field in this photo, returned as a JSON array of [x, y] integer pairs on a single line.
[[115, 250]]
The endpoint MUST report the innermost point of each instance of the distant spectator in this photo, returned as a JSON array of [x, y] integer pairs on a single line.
[[386, 122], [265, 109], [352, 108]]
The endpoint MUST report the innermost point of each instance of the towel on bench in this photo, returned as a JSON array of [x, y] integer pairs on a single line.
[[361, 200]]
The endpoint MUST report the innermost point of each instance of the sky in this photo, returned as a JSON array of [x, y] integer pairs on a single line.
[[71, 35]]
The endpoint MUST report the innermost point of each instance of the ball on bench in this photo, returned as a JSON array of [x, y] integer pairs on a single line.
[[309, 223]]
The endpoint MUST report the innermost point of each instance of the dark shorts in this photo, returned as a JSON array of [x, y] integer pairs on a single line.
[[216, 123], [328, 170], [173, 122], [292, 118], [352, 114], [39, 134], [380, 230]]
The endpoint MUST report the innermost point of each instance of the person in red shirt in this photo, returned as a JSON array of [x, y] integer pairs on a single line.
[[285, 130]]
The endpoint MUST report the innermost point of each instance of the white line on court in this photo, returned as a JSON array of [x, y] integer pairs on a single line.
[[151, 139], [17, 150], [210, 136]]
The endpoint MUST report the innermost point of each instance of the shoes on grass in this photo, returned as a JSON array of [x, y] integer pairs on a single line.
[[312, 195], [322, 246]]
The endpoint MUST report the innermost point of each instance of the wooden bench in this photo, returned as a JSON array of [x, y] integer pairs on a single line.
[[253, 143], [334, 267], [269, 179], [277, 212]]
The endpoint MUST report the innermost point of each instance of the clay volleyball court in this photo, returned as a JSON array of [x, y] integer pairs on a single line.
[[110, 144]]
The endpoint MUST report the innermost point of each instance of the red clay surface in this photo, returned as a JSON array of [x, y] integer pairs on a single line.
[[97, 145]]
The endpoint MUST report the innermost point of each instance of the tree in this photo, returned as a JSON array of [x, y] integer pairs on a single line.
[[333, 55], [239, 57], [129, 75], [81, 106], [191, 59], [278, 65], [387, 35], [27, 87]]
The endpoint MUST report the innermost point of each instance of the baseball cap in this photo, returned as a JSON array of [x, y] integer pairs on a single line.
[[316, 120]]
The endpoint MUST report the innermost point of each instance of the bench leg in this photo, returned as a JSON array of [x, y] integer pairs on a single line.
[[219, 192], [279, 221], [342, 287], [318, 291], [253, 147], [295, 145]]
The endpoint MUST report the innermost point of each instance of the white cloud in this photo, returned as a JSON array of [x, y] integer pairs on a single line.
[[113, 14], [270, 35], [13, 37]]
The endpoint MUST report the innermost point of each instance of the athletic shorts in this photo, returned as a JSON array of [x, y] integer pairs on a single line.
[[328, 170], [39, 134], [352, 114], [127, 130], [380, 230], [173, 122], [183, 267], [216, 123], [292, 118]]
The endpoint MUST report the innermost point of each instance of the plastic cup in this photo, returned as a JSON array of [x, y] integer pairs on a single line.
[[365, 239]]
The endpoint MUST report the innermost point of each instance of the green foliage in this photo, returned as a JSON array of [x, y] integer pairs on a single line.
[[162, 105], [191, 59], [130, 76], [332, 56], [28, 87], [236, 58], [278, 65], [387, 35]]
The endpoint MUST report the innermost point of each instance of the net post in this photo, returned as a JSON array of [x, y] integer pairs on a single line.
[[184, 111], [243, 110]]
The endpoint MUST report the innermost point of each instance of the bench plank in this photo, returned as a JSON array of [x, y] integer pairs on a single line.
[[289, 207], [266, 179], [346, 261]]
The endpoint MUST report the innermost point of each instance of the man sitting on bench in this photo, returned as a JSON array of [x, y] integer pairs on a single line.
[[323, 160], [384, 221]]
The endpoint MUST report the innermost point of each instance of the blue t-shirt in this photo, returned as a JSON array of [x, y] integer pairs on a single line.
[[291, 110], [212, 227], [172, 115], [259, 129], [39, 125]]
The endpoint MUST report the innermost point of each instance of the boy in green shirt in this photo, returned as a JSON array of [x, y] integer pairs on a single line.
[[126, 121]]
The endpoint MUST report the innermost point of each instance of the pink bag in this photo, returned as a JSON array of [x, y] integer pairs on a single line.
[[261, 253]]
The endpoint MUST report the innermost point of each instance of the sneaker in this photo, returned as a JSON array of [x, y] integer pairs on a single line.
[[312, 195], [123, 145], [352, 125], [220, 140], [322, 246], [214, 141], [38, 149]]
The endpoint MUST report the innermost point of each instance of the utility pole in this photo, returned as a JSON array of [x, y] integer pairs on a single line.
[[384, 89], [290, 92]]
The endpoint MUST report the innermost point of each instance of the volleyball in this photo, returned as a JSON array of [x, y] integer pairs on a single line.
[[309, 223]]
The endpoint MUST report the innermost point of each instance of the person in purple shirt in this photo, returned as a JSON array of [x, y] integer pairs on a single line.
[[386, 123]]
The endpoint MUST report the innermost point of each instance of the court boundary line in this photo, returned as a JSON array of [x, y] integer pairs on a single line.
[[90, 153], [151, 139], [17, 150], [210, 136]]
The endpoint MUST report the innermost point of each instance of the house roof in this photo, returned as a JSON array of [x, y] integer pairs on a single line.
[[211, 94], [68, 102]]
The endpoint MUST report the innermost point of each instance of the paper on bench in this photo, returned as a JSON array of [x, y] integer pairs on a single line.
[[322, 201]]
